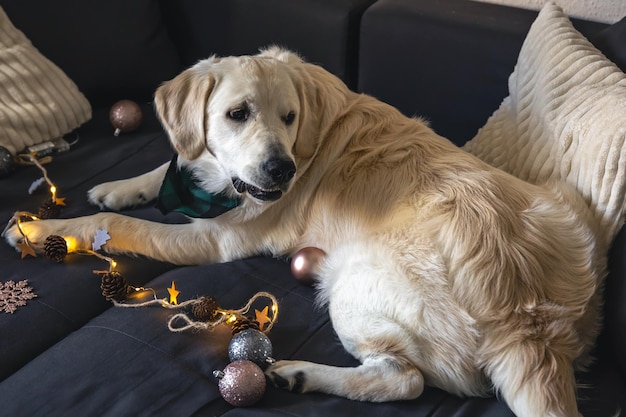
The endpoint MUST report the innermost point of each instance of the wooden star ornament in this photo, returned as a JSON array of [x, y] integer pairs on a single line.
[[26, 249], [262, 317], [173, 293]]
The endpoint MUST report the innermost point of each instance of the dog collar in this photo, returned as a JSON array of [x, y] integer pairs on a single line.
[[180, 192]]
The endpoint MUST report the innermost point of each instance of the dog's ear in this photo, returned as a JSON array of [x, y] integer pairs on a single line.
[[181, 106], [322, 97]]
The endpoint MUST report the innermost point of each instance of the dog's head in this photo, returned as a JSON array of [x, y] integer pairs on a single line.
[[241, 113]]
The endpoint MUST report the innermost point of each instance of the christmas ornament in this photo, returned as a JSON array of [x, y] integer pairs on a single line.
[[49, 210], [14, 295], [114, 286], [241, 383], [7, 163], [252, 345], [125, 116], [306, 263], [173, 292], [55, 248], [244, 323], [101, 238], [206, 309], [26, 249]]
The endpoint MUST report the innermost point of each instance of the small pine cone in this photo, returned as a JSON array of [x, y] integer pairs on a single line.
[[49, 210], [114, 286], [244, 323], [55, 248], [206, 309]]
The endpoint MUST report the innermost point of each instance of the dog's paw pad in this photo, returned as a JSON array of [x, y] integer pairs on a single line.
[[296, 383], [299, 380], [287, 376]]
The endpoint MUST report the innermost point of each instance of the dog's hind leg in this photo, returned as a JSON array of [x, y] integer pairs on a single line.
[[389, 317], [535, 377], [380, 377]]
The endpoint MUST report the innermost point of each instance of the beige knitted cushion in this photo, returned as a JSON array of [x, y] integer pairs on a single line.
[[564, 118], [38, 102]]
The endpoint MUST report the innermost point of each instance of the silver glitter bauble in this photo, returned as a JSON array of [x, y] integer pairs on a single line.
[[241, 383], [251, 345]]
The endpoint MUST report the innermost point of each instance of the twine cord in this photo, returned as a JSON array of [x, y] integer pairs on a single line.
[[208, 325]]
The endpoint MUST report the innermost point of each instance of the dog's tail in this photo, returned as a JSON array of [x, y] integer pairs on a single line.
[[565, 119]]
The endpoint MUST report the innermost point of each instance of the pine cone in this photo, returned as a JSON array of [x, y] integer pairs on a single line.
[[205, 309], [244, 323], [114, 286], [49, 210], [55, 248]]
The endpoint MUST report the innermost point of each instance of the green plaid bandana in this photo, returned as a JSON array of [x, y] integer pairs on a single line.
[[180, 192]]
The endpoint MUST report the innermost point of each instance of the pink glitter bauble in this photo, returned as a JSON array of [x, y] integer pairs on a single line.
[[242, 383]]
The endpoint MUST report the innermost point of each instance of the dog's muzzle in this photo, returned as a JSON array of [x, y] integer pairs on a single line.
[[278, 171]]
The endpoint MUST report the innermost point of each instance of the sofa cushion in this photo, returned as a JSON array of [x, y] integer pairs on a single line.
[[112, 49], [323, 31], [39, 102], [564, 119]]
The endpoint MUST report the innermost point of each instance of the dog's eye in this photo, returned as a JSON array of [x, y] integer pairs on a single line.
[[289, 118], [239, 114]]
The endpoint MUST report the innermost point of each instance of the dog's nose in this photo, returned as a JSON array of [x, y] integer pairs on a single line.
[[280, 170]]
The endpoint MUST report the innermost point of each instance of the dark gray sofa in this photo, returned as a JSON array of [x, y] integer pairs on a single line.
[[69, 352]]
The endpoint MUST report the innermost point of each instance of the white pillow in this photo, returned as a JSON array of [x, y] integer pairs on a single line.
[[565, 118], [38, 102]]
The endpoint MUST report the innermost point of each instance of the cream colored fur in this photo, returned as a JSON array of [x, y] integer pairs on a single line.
[[441, 270]]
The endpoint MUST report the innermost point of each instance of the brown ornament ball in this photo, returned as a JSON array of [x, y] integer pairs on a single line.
[[242, 383], [306, 263], [125, 116]]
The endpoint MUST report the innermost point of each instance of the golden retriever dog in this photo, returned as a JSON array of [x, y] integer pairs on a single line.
[[440, 269]]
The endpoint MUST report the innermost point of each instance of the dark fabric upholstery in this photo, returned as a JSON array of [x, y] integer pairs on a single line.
[[111, 49], [69, 293], [615, 294], [443, 63], [324, 32], [611, 42]]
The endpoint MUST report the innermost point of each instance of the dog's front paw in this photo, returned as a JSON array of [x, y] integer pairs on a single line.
[[13, 236], [289, 375], [36, 231], [117, 195]]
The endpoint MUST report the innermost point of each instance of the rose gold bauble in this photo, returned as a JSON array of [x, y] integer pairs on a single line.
[[125, 116], [242, 383], [306, 263]]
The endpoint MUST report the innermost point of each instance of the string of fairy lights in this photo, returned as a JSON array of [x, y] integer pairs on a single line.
[[242, 382]]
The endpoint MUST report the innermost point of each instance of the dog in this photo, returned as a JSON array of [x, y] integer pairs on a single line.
[[439, 269]]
